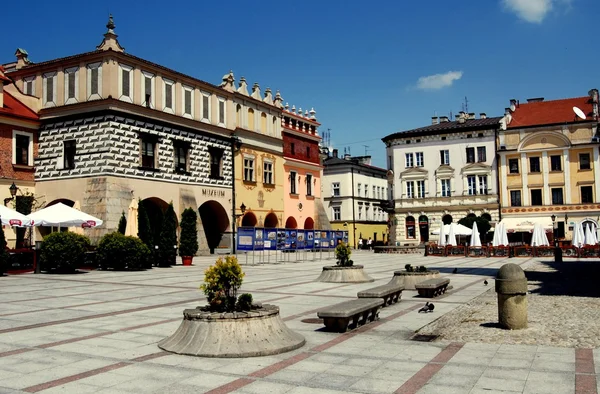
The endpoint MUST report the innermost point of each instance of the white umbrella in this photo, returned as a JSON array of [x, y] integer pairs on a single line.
[[451, 235], [442, 241], [578, 235], [10, 217], [132, 219], [594, 234], [77, 229], [539, 238], [475, 240], [503, 238], [588, 237], [459, 229], [496, 238], [61, 215]]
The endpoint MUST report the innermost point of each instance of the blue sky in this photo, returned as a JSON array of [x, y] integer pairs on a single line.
[[368, 68]]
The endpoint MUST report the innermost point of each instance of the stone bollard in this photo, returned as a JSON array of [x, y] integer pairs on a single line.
[[511, 286]]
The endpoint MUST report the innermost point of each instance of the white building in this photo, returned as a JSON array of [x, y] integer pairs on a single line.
[[442, 173]]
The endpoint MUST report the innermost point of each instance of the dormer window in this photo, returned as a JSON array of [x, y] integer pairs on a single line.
[[49, 89], [94, 81], [188, 101], [71, 85], [148, 93], [125, 83]]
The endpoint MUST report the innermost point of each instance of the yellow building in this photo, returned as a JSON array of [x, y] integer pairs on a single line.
[[549, 165]]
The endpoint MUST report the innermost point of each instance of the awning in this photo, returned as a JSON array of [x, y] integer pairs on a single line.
[[525, 224]]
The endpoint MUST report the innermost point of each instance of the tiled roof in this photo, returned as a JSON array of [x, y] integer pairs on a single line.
[[550, 112], [13, 107], [446, 127]]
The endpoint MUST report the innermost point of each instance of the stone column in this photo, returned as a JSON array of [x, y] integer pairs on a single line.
[[511, 286]]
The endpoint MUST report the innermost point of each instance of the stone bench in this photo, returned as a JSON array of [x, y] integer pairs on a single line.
[[390, 293], [356, 312], [432, 287]]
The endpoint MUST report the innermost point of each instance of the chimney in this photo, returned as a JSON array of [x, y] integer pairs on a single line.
[[335, 153], [482, 115], [535, 100], [594, 99], [22, 58], [443, 119], [506, 111], [471, 115], [347, 156], [461, 114], [513, 102], [434, 120]]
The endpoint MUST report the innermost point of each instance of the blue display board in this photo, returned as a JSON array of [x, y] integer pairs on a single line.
[[291, 242], [270, 241], [346, 237], [281, 238], [325, 239], [245, 238], [310, 239], [300, 239], [259, 238]]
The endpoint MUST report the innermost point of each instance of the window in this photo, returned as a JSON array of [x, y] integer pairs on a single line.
[[515, 198], [470, 155], [366, 190], [206, 107], [335, 187], [557, 196], [268, 172], [216, 162], [337, 213], [221, 111], [22, 148], [125, 83], [374, 191], [555, 163], [250, 119], [587, 195], [472, 185], [168, 93], [94, 81], [584, 161], [419, 156], [359, 189], [445, 157], [181, 158], [410, 227], [29, 86], [367, 212], [513, 167], [421, 189], [249, 169], [445, 184], [360, 207], [481, 154], [71, 85], [263, 122], [534, 164], [409, 160], [483, 184], [69, 150], [390, 162], [309, 180], [148, 153], [49, 89], [379, 192], [188, 101], [293, 148], [410, 189], [148, 93], [536, 197]]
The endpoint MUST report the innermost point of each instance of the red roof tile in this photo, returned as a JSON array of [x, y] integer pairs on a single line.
[[550, 112], [13, 107]]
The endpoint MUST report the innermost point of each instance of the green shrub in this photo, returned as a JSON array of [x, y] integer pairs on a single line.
[[221, 283], [342, 254], [121, 252], [122, 224], [188, 240], [422, 269], [408, 268], [244, 302], [167, 240], [144, 232], [63, 251]]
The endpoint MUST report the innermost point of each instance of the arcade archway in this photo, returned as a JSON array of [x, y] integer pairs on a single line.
[[155, 209], [291, 222], [249, 220], [309, 224], [214, 221], [271, 220]]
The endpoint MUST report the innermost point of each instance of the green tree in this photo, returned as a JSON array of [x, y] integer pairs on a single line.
[[188, 239], [144, 231], [122, 224], [168, 238], [221, 283], [3, 253], [483, 225]]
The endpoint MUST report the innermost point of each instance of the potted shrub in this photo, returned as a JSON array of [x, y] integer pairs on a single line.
[[63, 251], [188, 239], [120, 252], [344, 271], [410, 276], [167, 241]]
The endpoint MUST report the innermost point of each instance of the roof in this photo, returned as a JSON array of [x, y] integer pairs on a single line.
[[446, 127], [13, 107], [550, 112], [332, 161]]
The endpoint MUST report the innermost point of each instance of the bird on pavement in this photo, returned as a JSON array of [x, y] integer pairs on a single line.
[[431, 306], [455, 270], [427, 308], [485, 282]]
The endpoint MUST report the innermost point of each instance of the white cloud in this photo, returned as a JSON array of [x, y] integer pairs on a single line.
[[439, 81], [534, 11]]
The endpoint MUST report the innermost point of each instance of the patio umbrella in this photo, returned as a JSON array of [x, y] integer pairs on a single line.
[[77, 229], [578, 235], [442, 241], [588, 237], [496, 238], [539, 238], [10, 217], [459, 229], [503, 235], [451, 235], [61, 215], [475, 240], [132, 219]]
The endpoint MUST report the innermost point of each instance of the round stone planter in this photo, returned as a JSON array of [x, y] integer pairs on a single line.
[[338, 274], [260, 332], [410, 279]]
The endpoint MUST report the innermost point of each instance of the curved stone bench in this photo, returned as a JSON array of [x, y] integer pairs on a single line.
[[433, 287], [338, 274], [410, 279], [355, 312], [390, 293], [260, 332]]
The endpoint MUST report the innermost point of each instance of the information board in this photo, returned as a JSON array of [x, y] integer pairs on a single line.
[[245, 238]]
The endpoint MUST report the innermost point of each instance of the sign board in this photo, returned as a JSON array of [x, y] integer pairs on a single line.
[[258, 239], [300, 239], [245, 238], [270, 242], [310, 239]]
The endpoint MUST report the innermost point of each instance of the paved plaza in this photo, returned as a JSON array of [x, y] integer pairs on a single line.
[[97, 332]]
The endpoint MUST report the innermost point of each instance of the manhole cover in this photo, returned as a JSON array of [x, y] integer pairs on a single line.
[[312, 321], [425, 338]]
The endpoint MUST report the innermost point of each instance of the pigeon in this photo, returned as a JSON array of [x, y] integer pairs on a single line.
[[427, 308], [485, 282], [455, 270], [431, 306]]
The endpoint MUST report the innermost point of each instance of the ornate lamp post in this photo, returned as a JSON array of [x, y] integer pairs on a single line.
[[13, 192], [553, 217]]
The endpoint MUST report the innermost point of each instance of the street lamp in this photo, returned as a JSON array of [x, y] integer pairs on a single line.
[[13, 192], [553, 217]]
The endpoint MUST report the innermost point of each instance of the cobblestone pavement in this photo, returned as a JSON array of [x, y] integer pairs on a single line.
[[97, 332]]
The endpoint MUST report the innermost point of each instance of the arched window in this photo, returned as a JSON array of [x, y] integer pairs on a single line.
[[238, 116], [263, 123], [410, 228], [250, 119]]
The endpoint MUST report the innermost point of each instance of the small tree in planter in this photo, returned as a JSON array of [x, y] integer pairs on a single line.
[[188, 239], [3, 253], [221, 283], [168, 239], [342, 254], [122, 224]]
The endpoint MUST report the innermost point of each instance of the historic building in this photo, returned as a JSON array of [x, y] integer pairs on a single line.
[[302, 169], [19, 125], [115, 127], [441, 173], [549, 163], [353, 190]]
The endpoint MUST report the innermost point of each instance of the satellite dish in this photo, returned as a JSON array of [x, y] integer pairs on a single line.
[[513, 108], [579, 113]]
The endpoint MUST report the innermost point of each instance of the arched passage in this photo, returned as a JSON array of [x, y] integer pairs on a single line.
[[424, 228], [291, 223], [156, 208], [271, 220], [249, 220], [309, 223], [214, 221], [447, 219]]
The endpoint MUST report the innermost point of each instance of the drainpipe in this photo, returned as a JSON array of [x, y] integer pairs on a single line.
[[353, 215]]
